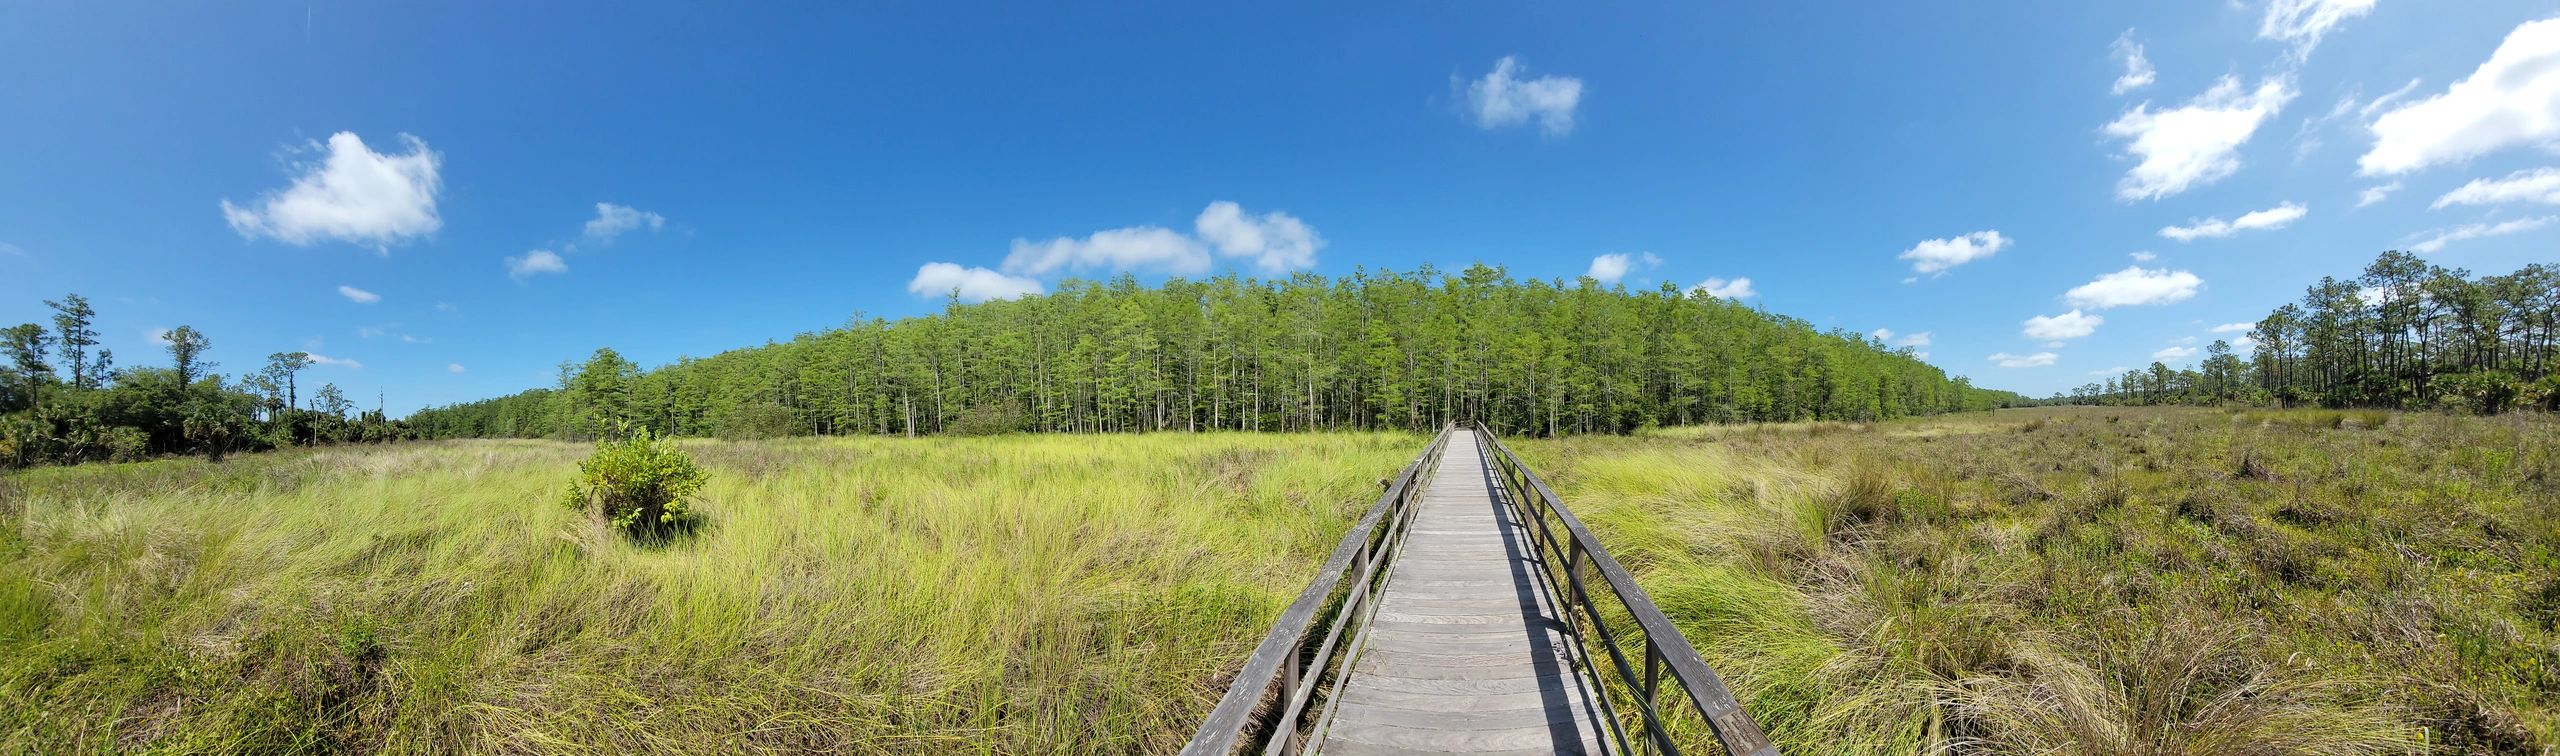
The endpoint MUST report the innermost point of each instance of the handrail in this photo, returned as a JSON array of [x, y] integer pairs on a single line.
[[1664, 646], [1285, 659]]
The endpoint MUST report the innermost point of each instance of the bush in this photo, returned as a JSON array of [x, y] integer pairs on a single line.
[[990, 419], [754, 421], [638, 484]]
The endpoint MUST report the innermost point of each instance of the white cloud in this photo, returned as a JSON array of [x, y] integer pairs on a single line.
[[2213, 228], [2039, 359], [1936, 256], [2378, 103], [358, 296], [1501, 99], [2244, 343], [353, 195], [158, 336], [322, 359], [2173, 354], [1613, 267], [2137, 69], [2539, 185], [455, 368], [1920, 339], [2512, 99], [2196, 143], [2134, 286], [2063, 327], [367, 332], [2235, 328], [1119, 249], [1276, 242], [2479, 231], [2111, 372], [2304, 22], [613, 220], [969, 283], [536, 263], [446, 307], [1739, 288], [2376, 194]]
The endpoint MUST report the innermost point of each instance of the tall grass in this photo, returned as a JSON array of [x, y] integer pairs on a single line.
[[2124, 581], [1003, 595]]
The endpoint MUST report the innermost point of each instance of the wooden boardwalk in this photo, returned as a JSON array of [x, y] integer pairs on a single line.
[[1468, 652]]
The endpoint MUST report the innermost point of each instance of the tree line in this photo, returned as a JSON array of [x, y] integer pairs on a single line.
[[63, 400], [2405, 334], [1373, 350]]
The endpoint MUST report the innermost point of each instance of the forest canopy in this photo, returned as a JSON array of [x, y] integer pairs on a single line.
[[1366, 351]]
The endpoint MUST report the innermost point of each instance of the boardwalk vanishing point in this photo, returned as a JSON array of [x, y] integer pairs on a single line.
[[1458, 616]]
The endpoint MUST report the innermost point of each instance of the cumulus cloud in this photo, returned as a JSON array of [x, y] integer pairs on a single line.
[[2235, 328], [1614, 267], [2213, 228], [2137, 69], [322, 359], [159, 336], [2196, 143], [1502, 98], [1119, 249], [2143, 256], [2039, 359], [358, 296], [970, 284], [1739, 288], [2479, 231], [1274, 241], [2376, 194], [2539, 185], [2173, 354], [535, 263], [352, 194], [1937, 256], [2511, 100], [1885, 335], [2063, 327], [613, 221], [2134, 286], [454, 367], [2303, 22]]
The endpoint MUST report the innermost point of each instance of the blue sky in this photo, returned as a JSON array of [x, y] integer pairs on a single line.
[[448, 201]]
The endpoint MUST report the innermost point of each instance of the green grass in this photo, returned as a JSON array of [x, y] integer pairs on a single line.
[[1000, 595], [2105, 581]]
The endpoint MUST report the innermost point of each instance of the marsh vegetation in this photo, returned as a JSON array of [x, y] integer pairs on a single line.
[[2106, 581], [1011, 594]]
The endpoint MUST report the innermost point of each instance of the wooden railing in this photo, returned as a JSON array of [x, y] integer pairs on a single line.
[[1568, 555], [1269, 697]]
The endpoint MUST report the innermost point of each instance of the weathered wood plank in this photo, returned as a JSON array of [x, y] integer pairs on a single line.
[[1467, 653]]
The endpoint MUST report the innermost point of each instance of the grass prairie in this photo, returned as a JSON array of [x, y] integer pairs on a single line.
[[2154, 582], [1019, 594]]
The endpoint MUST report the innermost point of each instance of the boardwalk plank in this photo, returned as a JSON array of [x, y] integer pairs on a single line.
[[1466, 653]]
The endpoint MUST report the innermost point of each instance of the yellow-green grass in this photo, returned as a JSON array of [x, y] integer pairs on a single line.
[[1062, 594], [2105, 581]]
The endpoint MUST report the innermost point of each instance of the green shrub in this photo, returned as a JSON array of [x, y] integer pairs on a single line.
[[990, 419], [638, 484], [754, 421]]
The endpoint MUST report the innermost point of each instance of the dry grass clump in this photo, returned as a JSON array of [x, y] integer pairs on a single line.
[[1016, 594], [2120, 581]]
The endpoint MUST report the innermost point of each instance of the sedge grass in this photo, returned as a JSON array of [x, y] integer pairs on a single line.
[[1064, 594]]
